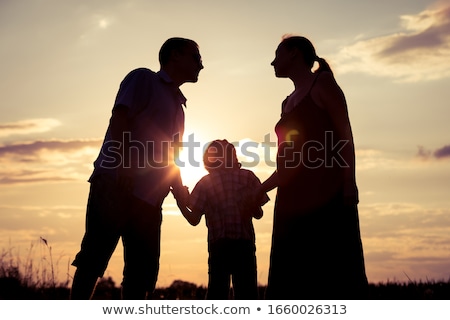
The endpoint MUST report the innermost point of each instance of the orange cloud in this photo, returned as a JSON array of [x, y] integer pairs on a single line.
[[28, 126], [47, 161]]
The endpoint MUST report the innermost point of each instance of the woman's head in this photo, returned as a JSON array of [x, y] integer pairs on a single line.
[[297, 44], [220, 154], [303, 45]]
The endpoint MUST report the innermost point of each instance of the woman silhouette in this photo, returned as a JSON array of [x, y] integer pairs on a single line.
[[316, 244]]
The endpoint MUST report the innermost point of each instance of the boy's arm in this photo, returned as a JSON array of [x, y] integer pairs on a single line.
[[258, 196], [193, 217], [258, 201], [270, 183], [193, 211]]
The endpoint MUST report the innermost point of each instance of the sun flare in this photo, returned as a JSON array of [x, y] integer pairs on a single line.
[[191, 166]]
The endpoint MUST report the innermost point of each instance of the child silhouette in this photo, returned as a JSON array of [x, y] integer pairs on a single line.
[[229, 198]]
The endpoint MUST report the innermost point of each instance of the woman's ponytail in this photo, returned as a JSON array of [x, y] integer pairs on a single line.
[[323, 65]]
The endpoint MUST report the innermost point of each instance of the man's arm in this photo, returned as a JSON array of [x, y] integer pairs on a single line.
[[179, 191]]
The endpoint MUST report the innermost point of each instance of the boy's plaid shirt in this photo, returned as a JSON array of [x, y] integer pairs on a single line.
[[224, 197]]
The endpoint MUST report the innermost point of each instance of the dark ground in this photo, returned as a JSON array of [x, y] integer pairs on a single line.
[[12, 289]]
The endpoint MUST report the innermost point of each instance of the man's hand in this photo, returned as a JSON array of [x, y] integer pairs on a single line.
[[181, 195]]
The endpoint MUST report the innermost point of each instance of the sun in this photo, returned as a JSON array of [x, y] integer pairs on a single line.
[[190, 162]]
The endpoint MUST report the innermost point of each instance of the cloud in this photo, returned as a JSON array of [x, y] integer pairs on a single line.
[[29, 126], [405, 238], [47, 161], [423, 153], [397, 220], [376, 159], [419, 52], [367, 159], [441, 153], [33, 149]]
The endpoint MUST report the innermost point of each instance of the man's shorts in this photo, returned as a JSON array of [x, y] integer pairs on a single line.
[[113, 213]]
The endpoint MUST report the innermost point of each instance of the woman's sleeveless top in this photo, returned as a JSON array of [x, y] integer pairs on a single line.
[[308, 175]]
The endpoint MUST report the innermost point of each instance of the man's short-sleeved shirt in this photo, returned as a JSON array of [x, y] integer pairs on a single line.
[[223, 197], [156, 120]]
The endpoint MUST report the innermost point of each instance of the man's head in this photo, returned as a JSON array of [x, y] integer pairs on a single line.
[[181, 59]]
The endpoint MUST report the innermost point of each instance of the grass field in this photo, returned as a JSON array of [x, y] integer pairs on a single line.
[[12, 288], [29, 279]]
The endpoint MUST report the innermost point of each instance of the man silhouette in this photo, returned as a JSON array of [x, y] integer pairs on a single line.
[[135, 171]]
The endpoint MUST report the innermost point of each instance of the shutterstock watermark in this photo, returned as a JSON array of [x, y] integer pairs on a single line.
[[311, 154]]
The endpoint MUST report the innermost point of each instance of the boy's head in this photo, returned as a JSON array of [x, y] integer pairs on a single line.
[[220, 154]]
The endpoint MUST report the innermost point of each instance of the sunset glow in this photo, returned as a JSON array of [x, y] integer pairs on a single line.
[[62, 63]]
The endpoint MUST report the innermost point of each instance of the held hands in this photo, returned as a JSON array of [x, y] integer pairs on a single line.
[[181, 195], [261, 197], [254, 201]]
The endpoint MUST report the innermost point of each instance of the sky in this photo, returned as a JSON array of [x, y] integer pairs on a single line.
[[61, 63]]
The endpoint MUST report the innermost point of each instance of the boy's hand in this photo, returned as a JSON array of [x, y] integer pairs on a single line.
[[261, 196]]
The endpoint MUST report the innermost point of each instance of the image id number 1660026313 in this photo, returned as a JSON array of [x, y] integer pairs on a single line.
[[307, 309]]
